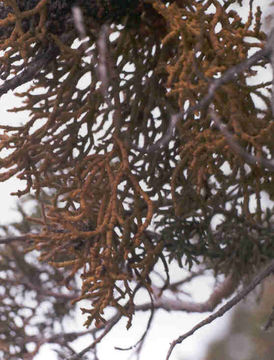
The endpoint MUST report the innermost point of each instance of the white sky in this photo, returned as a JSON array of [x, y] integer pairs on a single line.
[[166, 327]]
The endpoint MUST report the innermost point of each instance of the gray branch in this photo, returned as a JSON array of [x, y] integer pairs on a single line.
[[230, 304]]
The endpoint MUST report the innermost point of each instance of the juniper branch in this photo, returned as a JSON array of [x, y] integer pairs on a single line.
[[215, 84]]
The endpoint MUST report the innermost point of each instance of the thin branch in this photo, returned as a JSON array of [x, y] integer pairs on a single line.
[[78, 19], [110, 324], [10, 239], [40, 62], [240, 296], [167, 137], [250, 159], [46, 292], [224, 290], [193, 275], [108, 327], [71, 336], [215, 84], [140, 342], [31, 70], [102, 44], [270, 320], [43, 212]]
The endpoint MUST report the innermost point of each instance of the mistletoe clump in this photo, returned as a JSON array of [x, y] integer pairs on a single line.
[[119, 203]]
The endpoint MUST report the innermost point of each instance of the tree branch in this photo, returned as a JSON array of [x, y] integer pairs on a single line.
[[223, 291], [250, 159], [241, 295], [39, 63], [108, 327], [215, 84], [270, 320], [10, 239]]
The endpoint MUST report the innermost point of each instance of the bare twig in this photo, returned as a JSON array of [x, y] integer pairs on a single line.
[[10, 239], [270, 320], [189, 278], [140, 342], [108, 327], [46, 292], [79, 21], [167, 137], [102, 44], [224, 290], [240, 296], [66, 337]]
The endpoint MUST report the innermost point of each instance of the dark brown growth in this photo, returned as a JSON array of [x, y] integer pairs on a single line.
[[81, 141]]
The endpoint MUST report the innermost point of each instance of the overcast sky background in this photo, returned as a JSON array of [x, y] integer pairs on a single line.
[[166, 326]]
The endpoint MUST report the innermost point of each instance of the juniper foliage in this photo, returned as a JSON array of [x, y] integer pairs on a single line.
[[118, 205]]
